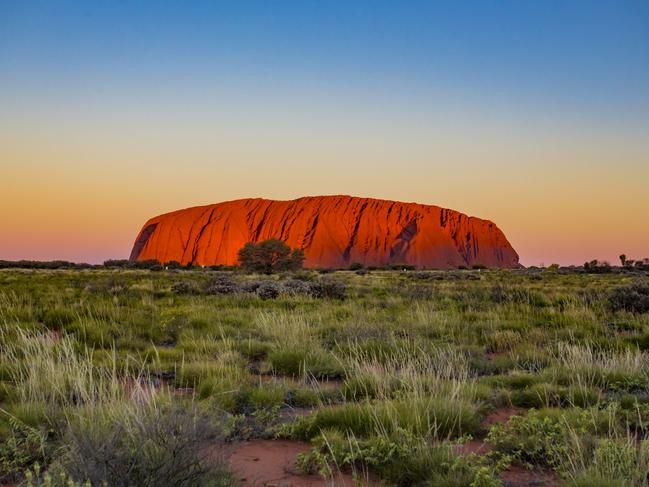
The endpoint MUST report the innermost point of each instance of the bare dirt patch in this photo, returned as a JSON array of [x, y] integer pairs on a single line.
[[501, 416], [518, 476], [479, 447], [272, 463]]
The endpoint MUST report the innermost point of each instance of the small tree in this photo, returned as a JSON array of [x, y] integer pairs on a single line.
[[270, 256], [623, 259]]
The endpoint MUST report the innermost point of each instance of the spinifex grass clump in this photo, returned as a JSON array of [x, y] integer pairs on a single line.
[[47, 369], [583, 365]]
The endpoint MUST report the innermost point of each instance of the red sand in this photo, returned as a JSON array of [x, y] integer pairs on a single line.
[[333, 231], [517, 476], [272, 462]]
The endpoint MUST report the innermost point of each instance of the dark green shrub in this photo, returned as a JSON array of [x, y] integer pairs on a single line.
[[185, 287], [297, 287], [514, 381], [270, 256], [295, 363], [288, 362], [633, 298], [401, 459], [221, 285], [268, 290], [250, 286], [23, 446], [303, 398], [58, 318], [253, 349], [164, 448], [501, 294], [328, 288], [150, 264]]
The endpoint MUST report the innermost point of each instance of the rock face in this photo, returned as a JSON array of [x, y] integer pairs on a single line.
[[333, 231]]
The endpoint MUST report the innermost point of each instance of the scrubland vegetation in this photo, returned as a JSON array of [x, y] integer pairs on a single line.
[[132, 377]]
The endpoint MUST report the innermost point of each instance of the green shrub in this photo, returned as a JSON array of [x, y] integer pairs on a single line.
[[423, 416], [268, 290], [58, 318], [229, 365], [303, 397], [267, 396], [515, 381], [23, 446], [546, 437], [400, 459], [163, 447], [328, 288], [633, 298], [220, 285], [296, 363], [253, 349], [185, 287]]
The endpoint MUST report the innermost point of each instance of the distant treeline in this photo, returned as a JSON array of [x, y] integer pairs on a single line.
[[592, 267], [152, 265], [155, 265], [50, 264], [598, 267]]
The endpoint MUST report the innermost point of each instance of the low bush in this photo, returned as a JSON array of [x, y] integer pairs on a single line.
[[296, 287], [221, 285], [400, 459], [549, 438], [253, 349], [267, 396], [328, 288], [303, 397], [296, 363], [163, 447], [268, 290], [633, 298], [22, 447], [58, 318], [501, 295], [185, 287]]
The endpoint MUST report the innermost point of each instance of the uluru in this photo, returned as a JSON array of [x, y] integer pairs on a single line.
[[333, 231]]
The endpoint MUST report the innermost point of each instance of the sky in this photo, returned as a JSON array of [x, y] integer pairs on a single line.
[[534, 115]]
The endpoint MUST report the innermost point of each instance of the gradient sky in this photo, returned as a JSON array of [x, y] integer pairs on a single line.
[[532, 114]]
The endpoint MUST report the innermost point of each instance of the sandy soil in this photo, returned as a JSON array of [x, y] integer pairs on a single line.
[[272, 463], [518, 476]]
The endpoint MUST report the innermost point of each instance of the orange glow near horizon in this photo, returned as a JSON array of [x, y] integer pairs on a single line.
[[86, 201]]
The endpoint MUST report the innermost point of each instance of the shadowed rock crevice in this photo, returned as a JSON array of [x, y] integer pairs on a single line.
[[142, 240]]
